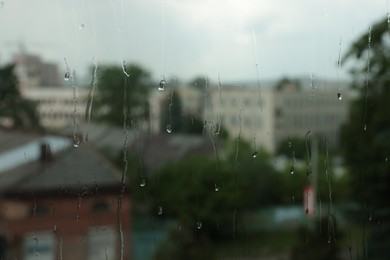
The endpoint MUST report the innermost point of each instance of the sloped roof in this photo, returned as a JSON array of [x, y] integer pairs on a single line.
[[74, 169], [154, 150], [70, 170], [157, 150]]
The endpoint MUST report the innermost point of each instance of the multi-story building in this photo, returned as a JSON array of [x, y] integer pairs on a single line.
[[244, 112], [320, 112], [264, 117], [60, 202], [32, 71], [58, 106]]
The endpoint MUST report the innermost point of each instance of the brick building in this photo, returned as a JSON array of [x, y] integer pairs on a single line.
[[62, 203]]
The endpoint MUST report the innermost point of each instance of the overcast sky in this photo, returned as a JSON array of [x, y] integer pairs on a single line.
[[185, 38]]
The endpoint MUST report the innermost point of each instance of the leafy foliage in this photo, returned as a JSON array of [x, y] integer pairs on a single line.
[[13, 106], [119, 94], [366, 135], [172, 115], [286, 82], [295, 146]]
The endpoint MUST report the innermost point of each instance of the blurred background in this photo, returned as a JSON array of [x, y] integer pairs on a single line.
[[194, 129]]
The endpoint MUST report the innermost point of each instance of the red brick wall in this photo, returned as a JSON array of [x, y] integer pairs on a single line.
[[68, 218]]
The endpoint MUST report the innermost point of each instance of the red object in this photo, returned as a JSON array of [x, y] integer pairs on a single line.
[[308, 201]]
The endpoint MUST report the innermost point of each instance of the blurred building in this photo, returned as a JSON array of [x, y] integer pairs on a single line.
[[268, 116], [32, 71], [58, 107], [320, 112], [243, 112], [60, 202]]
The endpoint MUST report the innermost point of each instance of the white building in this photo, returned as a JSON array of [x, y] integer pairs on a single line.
[[267, 117], [58, 107], [320, 112], [244, 112]]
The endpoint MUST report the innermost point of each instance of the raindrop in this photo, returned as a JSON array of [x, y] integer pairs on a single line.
[[67, 76], [55, 228], [339, 96], [76, 142], [216, 187], [254, 155], [386, 159], [292, 170], [1, 4], [365, 127], [199, 225], [160, 210], [143, 182], [161, 85], [169, 128], [289, 144], [124, 69]]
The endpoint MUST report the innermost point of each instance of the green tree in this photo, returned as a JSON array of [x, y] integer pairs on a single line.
[[198, 192], [120, 94], [174, 119], [21, 112], [295, 146], [365, 138], [200, 82], [286, 83]]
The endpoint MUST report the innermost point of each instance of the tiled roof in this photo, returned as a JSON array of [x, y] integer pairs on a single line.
[[70, 169]]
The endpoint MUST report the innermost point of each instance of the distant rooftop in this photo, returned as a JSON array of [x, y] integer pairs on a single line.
[[68, 170]]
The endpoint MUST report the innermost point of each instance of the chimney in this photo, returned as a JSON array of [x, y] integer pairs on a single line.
[[45, 153]]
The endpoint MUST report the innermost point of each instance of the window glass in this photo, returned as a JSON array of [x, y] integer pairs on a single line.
[[171, 129]]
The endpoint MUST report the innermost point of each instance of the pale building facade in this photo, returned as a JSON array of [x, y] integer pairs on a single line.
[[244, 112], [265, 117], [58, 107]]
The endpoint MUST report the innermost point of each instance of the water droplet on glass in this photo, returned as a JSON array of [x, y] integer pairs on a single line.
[[254, 155], [365, 127], [292, 170], [67, 76], [160, 210], [76, 142], [386, 159], [178, 227], [169, 129], [161, 85], [199, 225], [339, 96], [307, 211], [81, 26], [143, 182], [216, 187], [289, 144], [1, 4]]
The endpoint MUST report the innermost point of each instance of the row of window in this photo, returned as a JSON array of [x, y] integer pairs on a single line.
[[307, 102], [61, 115], [305, 120], [42, 211], [66, 102]]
